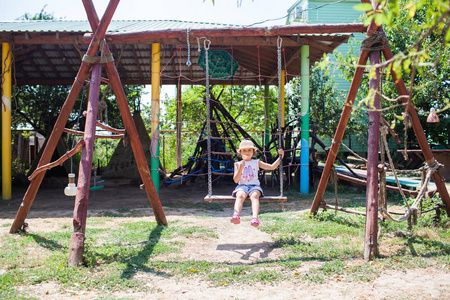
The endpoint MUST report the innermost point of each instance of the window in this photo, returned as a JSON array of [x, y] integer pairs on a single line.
[[301, 11]]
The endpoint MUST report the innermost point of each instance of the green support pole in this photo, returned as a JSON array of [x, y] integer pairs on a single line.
[[304, 155]]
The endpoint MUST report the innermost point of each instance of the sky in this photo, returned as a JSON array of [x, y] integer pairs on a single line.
[[240, 12]]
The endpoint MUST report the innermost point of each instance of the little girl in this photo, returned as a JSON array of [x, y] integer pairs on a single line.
[[246, 176]]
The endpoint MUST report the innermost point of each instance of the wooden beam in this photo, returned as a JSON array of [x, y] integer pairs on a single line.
[[24, 52], [324, 47], [174, 60], [234, 32], [84, 174], [136, 59], [50, 64], [291, 58], [45, 39], [36, 67], [64, 59]]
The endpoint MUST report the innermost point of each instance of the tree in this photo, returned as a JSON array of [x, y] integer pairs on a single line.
[[419, 38], [42, 15], [423, 48]]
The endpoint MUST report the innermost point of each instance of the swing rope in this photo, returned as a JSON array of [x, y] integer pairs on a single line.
[[206, 45], [280, 167]]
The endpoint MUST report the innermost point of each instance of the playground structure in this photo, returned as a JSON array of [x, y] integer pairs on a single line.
[[306, 43], [309, 42]]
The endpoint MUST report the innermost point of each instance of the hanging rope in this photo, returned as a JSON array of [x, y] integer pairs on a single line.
[[77, 124], [334, 179], [102, 59], [407, 122], [382, 181], [354, 153], [206, 45], [413, 209], [371, 40], [279, 43]]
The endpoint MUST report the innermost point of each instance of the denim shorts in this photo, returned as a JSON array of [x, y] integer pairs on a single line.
[[247, 189]]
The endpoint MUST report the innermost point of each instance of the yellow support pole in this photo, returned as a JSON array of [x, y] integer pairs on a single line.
[[6, 121], [156, 69], [283, 110]]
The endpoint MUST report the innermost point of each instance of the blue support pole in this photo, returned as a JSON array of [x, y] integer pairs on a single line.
[[304, 155]]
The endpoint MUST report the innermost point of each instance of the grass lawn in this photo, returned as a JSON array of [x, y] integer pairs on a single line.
[[120, 253]]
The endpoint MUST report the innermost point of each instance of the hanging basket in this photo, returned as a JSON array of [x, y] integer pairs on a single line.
[[221, 64]]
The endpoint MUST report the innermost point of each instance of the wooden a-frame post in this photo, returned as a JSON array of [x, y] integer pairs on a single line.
[[76, 248], [128, 122], [58, 129], [99, 28], [372, 174]]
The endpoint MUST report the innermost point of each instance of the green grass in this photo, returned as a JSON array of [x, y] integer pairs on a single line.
[[120, 254]]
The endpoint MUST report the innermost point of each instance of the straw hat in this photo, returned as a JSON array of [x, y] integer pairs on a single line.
[[246, 144]]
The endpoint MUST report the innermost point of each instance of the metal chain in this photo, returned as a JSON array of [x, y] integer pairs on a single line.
[[279, 42], [188, 63], [206, 44]]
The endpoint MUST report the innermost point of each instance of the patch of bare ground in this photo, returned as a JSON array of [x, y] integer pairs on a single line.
[[233, 244]]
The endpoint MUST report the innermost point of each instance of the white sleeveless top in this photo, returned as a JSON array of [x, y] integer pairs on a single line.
[[249, 175]]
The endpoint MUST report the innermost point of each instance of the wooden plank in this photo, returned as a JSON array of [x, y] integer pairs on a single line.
[[408, 182], [224, 198]]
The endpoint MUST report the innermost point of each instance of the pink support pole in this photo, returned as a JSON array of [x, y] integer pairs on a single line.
[[129, 124], [370, 240], [84, 175]]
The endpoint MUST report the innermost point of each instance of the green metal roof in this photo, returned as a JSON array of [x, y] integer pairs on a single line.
[[115, 26], [50, 51]]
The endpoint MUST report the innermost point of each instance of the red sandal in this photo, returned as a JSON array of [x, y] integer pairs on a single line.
[[254, 222], [235, 219]]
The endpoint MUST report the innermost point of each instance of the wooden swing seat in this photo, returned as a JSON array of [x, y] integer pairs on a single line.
[[223, 198]]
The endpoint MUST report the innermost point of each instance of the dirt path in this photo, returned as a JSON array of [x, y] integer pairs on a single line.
[[236, 244]]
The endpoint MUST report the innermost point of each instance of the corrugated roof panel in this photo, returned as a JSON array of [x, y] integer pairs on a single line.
[[57, 62], [115, 26]]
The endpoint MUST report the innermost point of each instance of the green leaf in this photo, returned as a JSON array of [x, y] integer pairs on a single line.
[[363, 7], [406, 65], [379, 19], [396, 66], [447, 36], [368, 20], [388, 70], [373, 74], [399, 117], [412, 11], [394, 121]]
